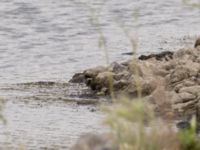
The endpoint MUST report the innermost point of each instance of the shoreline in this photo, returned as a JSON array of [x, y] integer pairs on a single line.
[[169, 73], [168, 80]]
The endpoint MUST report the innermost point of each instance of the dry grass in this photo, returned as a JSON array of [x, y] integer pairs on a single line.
[[135, 127]]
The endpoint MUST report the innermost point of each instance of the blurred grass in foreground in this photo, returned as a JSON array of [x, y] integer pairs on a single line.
[[2, 118], [135, 127], [192, 3]]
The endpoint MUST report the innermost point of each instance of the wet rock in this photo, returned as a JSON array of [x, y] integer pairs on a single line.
[[197, 43], [78, 78], [92, 109], [128, 53], [167, 55], [183, 125], [87, 102]]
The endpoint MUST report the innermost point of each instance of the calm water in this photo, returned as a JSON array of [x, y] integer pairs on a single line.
[[50, 40]]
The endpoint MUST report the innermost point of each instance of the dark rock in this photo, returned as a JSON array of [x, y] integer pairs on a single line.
[[183, 125], [167, 55], [87, 102], [78, 78], [128, 53], [197, 43]]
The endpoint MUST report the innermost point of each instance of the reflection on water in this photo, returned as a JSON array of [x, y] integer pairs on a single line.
[[50, 40], [46, 115], [37, 125]]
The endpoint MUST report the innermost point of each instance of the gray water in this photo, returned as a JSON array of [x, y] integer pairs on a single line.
[[50, 40]]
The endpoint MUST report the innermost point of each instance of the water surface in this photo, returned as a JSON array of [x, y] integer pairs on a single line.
[[50, 40]]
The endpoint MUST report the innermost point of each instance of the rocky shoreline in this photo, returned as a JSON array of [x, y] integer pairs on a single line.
[[172, 77], [168, 80]]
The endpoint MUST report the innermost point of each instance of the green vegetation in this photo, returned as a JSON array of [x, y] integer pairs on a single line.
[[191, 3], [135, 127], [188, 138]]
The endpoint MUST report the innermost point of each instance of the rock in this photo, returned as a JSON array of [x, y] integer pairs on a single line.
[[134, 68], [161, 72], [117, 68], [186, 108], [171, 78], [197, 43], [166, 55], [189, 82], [184, 83], [169, 65], [170, 81], [90, 73], [148, 86], [134, 85], [183, 97], [122, 75], [182, 53], [120, 84], [94, 142], [78, 78], [183, 125], [195, 90], [104, 78], [87, 102], [179, 74]]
